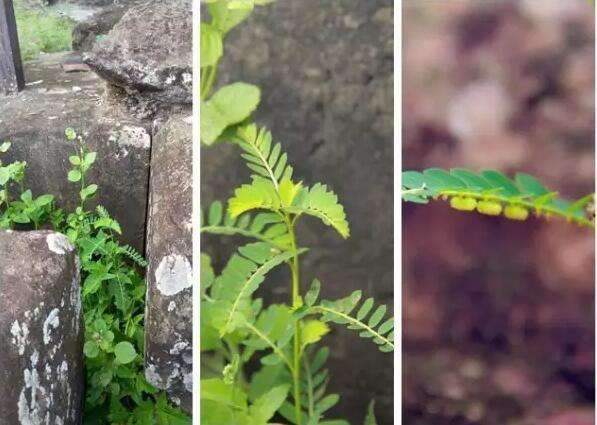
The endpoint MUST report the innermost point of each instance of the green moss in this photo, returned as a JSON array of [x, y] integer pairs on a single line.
[[41, 30]]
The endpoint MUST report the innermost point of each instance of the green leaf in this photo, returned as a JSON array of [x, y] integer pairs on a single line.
[[4, 147], [264, 158], [74, 176], [313, 293], [216, 390], [74, 160], [370, 418], [70, 134], [230, 105], [125, 352], [88, 191], [241, 277], [266, 227], [224, 18], [211, 45], [89, 158], [264, 408], [320, 202], [91, 349], [340, 312], [260, 194], [530, 184], [312, 331]]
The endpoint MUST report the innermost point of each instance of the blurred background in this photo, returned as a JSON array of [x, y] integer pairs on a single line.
[[325, 69], [498, 315]]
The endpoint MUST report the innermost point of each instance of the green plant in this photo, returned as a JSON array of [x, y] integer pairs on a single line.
[[233, 103], [42, 30], [491, 192], [237, 330], [114, 303], [23, 209], [113, 292]]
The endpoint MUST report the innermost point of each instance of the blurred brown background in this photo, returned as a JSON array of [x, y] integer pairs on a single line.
[[498, 315]]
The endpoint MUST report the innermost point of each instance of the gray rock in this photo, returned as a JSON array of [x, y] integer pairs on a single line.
[[149, 52], [168, 320], [35, 121], [86, 33], [326, 73], [41, 336]]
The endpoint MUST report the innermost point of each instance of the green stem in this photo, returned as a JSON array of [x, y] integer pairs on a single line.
[[208, 79], [354, 322], [309, 386], [296, 300], [229, 230], [273, 346]]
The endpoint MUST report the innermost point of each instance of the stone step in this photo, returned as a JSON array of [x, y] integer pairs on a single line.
[[35, 120], [41, 329]]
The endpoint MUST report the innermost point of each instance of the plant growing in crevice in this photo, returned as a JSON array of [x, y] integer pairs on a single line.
[[237, 330], [234, 103], [493, 193], [113, 293]]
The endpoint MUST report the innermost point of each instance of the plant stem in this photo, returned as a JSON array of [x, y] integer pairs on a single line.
[[207, 82], [296, 301]]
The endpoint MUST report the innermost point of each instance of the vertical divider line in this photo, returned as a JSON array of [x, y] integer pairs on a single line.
[[398, 211], [196, 210]]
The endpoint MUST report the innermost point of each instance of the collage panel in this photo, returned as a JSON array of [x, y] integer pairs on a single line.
[[95, 212], [498, 182], [297, 212]]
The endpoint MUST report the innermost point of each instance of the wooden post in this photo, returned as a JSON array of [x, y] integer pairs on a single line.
[[11, 69]]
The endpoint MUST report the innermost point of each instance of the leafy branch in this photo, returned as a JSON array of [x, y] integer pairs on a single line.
[[339, 311], [493, 193]]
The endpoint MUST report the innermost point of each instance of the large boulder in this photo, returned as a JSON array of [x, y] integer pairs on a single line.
[[87, 32], [35, 120], [149, 52], [41, 336], [325, 69], [168, 320]]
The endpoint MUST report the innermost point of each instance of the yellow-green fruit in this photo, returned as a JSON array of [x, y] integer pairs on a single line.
[[516, 212], [489, 207], [463, 204]]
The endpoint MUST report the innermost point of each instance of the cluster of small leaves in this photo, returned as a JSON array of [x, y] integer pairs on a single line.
[[225, 349], [491, 192], [233, 103], [113, 293], [235, 327], [24, 209], [369, 321], [266, 227], [315, 400], [272, 187]]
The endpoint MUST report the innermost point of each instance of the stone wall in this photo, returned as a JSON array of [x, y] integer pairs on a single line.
[[41, 336], [326, 73]]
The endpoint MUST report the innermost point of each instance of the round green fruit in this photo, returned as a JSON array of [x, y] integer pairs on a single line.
[[489, 207], [463, 204], [516, 212]]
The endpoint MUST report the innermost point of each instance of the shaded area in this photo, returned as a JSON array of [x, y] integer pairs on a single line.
[[498, 315]]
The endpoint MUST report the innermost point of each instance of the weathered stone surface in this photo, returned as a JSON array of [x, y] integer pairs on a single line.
[[149, 52], [168, 321], [35, 121], [86, 33], [326, 73], [41, 330]]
